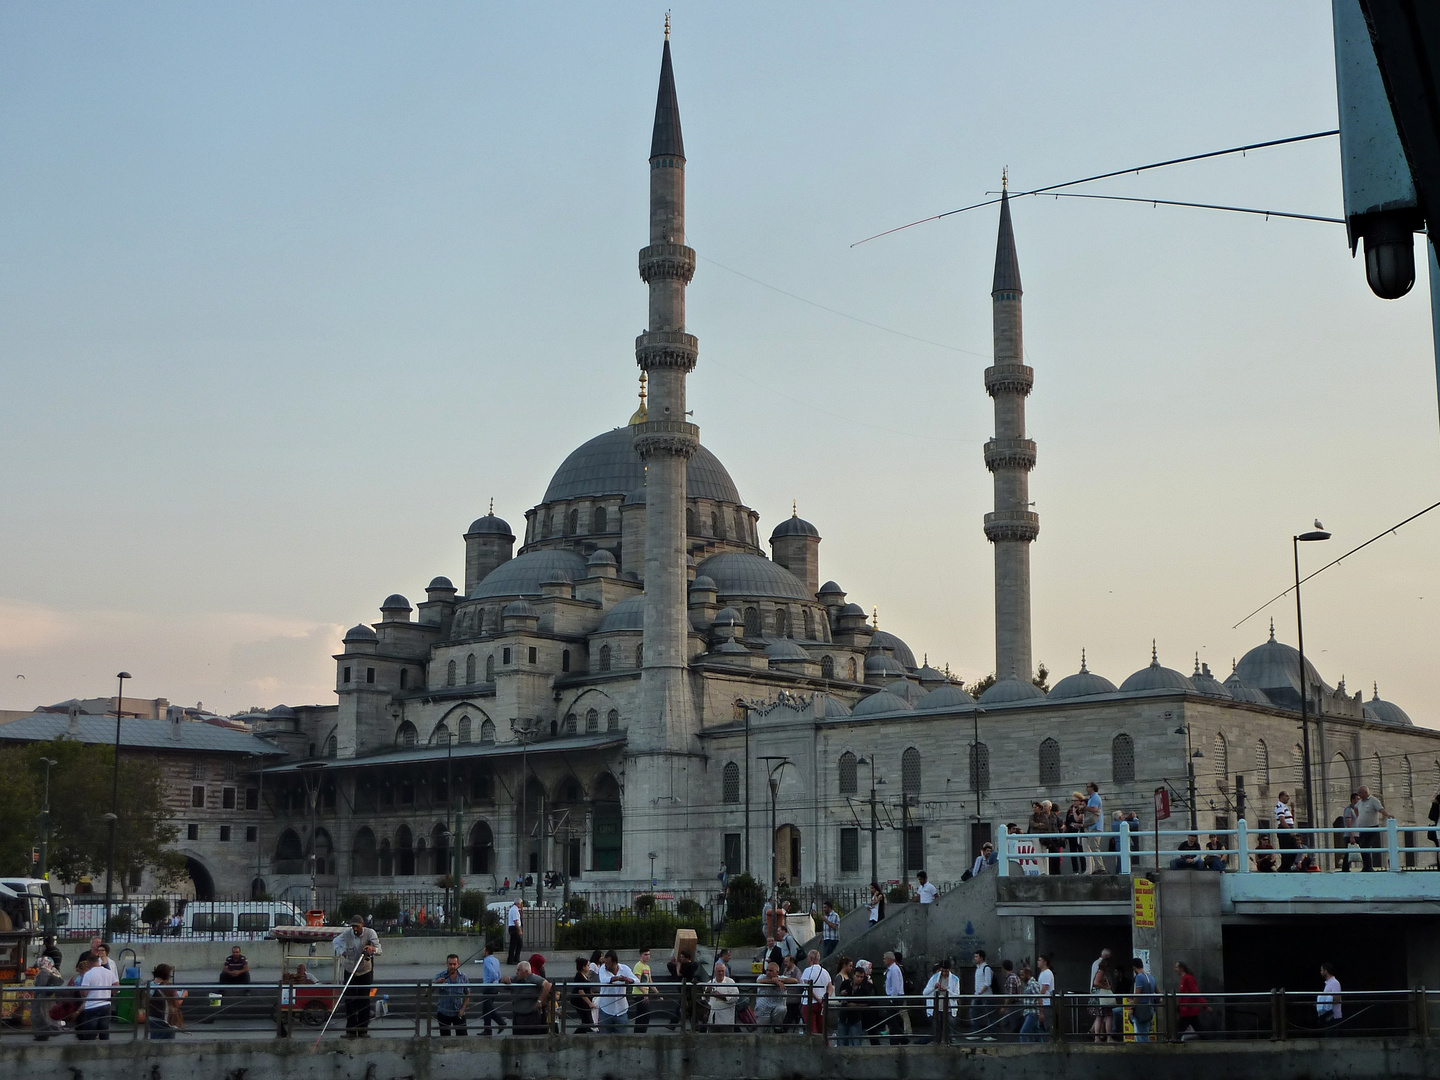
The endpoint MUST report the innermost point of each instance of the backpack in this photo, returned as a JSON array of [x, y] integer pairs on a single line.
[[997, 980]]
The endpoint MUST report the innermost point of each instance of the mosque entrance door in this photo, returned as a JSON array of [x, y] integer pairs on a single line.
[[787, 854]]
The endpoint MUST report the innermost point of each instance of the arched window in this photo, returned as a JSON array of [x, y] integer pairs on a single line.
[[1049, 762], [979, 767], [612, 720], [910, 771], [571, 723], [487, 732], [465, 730], [565, 660], [324, 852], [730, 787], [715, 523], [440, 850], [1122, 759], [405, 734], [450, 673], [1262, 765], [364, 858], [1297, 771], [490, 668], [289, 854], [1222, 762], [608, 833], [592, 721], [332, 748], [852, 669], [480, 620], [782, 622], [752, 622], [1407, 779], [604, 664], [387, 859], [441, 735], [827, 666], [849, 779], [572, 523], [482, 848], [1377, 775], [470, 670], [690, 527], [640, 655], [597, 520], [809, 625], [404, 678], [404, 852]]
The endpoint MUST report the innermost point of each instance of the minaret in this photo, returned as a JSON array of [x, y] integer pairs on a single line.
[[1010, 457], [665, 439]]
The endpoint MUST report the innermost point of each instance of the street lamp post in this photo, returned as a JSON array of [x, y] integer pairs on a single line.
[[874, 818], [1190, 756], [114, 816], [45, 818], [525, 732], [1315, 534], [744, 707], [776, 771], [312, 790]]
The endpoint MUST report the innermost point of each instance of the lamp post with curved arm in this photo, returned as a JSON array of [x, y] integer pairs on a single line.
[[1295, 541], [114, 816]]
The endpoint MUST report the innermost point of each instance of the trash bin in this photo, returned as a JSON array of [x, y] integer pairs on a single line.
[[125, 996], [315, 918]]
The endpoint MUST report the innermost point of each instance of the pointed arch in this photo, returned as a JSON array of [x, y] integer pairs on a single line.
[[598, 520], [730, 785], [809, 625], [691, 528], [849, 773], [607, 845], [364, 857], [1262, 766], [1049, 761], [1222, 762], [910, 771], [465, 731], [387, 858], [470, 670], [404, 852], [592, 721], [782, 622], [405, 734], [827, 666], [450, 673], [612, 720], [487, 732], [572, 723], [604, 661], [640, 655], [490, 668], [853, 669], [752, 623]]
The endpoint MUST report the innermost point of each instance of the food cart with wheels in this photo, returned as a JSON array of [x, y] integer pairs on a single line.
[[309, 945]]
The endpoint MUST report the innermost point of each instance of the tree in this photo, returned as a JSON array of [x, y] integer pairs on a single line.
[[19, 810], [979, 686], [1042, 678]]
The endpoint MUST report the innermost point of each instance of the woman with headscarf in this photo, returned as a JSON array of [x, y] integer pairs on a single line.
[[46, 975]]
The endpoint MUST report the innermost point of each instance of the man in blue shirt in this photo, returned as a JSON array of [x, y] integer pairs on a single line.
[[489, 1003], [453, 998], [1094, 828]]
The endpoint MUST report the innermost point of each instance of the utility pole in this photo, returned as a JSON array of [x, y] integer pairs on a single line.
[[113, 817]]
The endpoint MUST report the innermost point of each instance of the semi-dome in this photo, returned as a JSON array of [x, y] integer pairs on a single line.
[[882, 702], [785, 649], [738, 573], [628, 614], [360, 632], [520, 609], [1240, 691], [439, 583], [883, 664], [945, 697], [795, 526], [609, 465], [523, 575], [1274, 667], [490, 525], [395, 602], [1387, 712], [1206, 683], [1156, 677], [1084, 683], [1011, 689], [883, 639]]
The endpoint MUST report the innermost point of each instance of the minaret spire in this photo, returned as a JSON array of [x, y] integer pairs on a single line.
[[665, 439], [1010, 456]]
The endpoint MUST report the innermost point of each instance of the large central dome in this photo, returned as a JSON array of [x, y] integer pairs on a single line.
[[609, 465]]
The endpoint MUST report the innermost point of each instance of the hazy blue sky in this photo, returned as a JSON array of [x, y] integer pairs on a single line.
[[291, 291]]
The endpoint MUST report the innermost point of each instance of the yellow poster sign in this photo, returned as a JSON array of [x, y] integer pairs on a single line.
[[1144, 903]]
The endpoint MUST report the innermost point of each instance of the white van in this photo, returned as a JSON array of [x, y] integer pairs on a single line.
[[238, 918]]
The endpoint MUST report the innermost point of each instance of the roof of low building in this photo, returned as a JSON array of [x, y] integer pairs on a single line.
[[136, 734]]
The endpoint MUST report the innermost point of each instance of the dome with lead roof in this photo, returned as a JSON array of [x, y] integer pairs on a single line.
[[609, 465], [1084, 683], [1274, 667], [1387, 712], [882, 664], [883, 639], [738, 573], [360, 632], [490, 525], [1156, 677], [1011, 689], [794, 526], [945, 697], [1241, 692], [882, 702], [628, 614], [524, 574], [395, 602], [1206, 683], [784, 649]]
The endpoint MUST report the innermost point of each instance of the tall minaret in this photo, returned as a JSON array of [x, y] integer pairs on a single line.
[[1010, 457], [665, 439]]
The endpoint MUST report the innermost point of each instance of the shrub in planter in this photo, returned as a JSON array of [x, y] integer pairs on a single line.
[[472, 905], [689, 909], [387, 909], [644, 903], [352, 904], [156, 911], [744, 897]]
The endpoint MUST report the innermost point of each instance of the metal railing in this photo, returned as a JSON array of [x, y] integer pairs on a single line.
[[1300, 848]]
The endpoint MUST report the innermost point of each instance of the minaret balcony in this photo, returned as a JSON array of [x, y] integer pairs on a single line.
[[666, 437], [1010, 454], [667, 262], [1009, 379], [1013, 526], [667, 349]]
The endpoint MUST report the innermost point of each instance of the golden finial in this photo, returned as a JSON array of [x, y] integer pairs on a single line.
[[667, 25], [794, 508], [875, 616], [641, 413], [1005, 178]]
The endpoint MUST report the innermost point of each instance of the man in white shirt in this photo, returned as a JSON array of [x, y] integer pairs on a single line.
[[942, 1019], [1285, 821], [615, 980], [1370, 814], [357, 948], [1045, 978], [895, 988], [925, 892], [98, 982], [829, 927], [513, 928], [984, 987], [1327, 1003], [817, 981]]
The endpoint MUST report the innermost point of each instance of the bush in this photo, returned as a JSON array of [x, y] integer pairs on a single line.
[[743, 933], [645, 903], [156, 911], [387, 909], [899, 894], [352, 904], [472, 905], [577, 907], [121, 922], [689, 909], [655, 931], [744, 898]]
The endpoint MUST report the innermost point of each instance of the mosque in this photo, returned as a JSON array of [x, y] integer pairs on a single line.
[[641, 692]]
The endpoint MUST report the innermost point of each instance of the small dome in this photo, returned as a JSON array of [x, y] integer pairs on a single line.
[[1274, 667], [523, 575], [785, 649], [490, 525], [733, 648], [1241, 692], [853, 609], [835, 707], [439, 583], [729, 615], [1084, 683], [600, 557], [1385, 711], [882, 702], [360, 632], [882, 663], [558, 577], [395, 602], [1156, 677], [904, 688], [1011, 689], [930, 677], [702, 582], [281, 712], [628, 614], [737, 573], [945, 697], [520, 609], [830, 588], [883, 639], [794, 526], [1206, 683]]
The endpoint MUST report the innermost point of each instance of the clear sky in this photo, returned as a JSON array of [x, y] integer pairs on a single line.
[[291, 291]]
